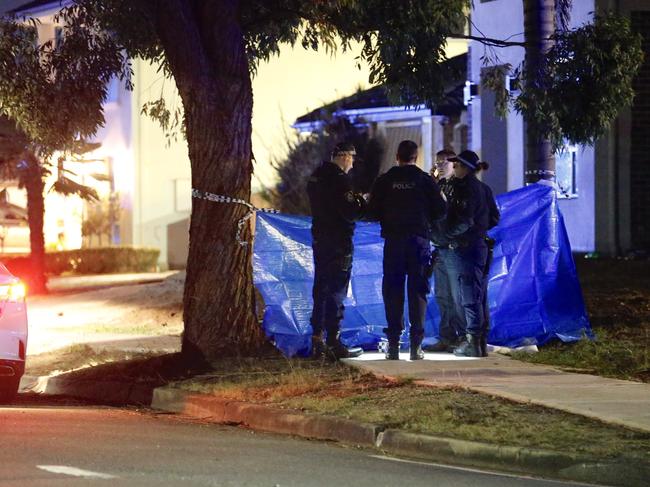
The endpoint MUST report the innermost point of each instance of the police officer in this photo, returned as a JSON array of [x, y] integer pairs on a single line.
[[334, 208], [473, 213], [452, 317], [406, 201]]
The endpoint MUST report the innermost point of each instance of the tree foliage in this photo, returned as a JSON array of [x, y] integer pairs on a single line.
[[587, 80], [101, 218], [51, 97], [584, 82], [305, 154], [57, 97], [211, 48], [403, 46]]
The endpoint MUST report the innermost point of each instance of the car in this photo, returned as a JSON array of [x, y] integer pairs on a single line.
[[13, 334]]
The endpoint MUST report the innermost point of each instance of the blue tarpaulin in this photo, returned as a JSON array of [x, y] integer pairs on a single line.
[[534, 294]]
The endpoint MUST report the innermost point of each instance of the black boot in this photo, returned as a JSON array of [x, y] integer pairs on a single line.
[[469, 348], [483, 344], [416, 350], [441, 346], [336, 350], [317, 346], [392, 352]]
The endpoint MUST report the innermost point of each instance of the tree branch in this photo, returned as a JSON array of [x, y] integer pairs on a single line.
[[273, 15], [488, 41]]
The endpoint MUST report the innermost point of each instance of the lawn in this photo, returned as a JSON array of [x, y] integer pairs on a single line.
[[339, 390], [617, 297]]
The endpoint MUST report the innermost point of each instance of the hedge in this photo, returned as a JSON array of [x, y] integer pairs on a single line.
[[101, 260]]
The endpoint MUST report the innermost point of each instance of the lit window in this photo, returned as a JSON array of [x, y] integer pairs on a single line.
[[565, 171]]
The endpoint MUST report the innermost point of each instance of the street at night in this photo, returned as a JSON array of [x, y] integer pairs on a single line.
[[325, 243], [88, 445]]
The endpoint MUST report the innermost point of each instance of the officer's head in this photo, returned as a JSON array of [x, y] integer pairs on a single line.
[[467, 162], [407, 152], [443, 167], [343, 155]]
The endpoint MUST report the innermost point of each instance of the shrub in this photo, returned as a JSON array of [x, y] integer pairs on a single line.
[[102, 260], [305, 154]]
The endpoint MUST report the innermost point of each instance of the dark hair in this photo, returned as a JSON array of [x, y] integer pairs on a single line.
[[342, 148], [407, 151], [445, 153], [482, 166]]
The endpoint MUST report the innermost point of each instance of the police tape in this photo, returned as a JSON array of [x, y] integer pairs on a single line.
[[219, 198], [540, 172]]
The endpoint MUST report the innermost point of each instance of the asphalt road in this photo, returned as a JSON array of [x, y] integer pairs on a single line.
[[62, 445]]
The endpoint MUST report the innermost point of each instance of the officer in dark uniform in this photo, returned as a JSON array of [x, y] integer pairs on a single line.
[[406, 201], [452, 317], [473, 212], [334, 208]]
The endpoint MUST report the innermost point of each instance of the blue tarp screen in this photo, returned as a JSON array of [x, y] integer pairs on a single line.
[[534, 294]]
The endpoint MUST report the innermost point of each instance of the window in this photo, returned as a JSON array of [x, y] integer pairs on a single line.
[[565, 171]]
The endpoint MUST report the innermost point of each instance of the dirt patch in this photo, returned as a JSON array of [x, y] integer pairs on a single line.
[[139, 310], [78, 357]]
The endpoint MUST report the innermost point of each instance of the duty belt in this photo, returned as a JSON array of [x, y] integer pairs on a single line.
[[460, 245]]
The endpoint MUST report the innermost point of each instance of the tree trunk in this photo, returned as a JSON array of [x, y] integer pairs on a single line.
[[34, 185], [539, 25], [207, 57]]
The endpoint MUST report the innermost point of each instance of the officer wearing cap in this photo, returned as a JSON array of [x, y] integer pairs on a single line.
[[452, 317], [406, 201], [334, 208], [473, 212]]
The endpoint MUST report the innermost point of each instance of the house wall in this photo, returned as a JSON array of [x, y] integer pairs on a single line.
[[161, 179], [501, 142], [64, 214], [640, 142], [153, 179], [623, 157]]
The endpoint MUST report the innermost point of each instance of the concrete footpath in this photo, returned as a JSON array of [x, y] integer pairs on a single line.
[[82, 283], [619, 402], [625, 472], [614, 401]]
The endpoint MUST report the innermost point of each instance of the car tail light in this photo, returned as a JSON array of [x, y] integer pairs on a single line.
[[13, 292]]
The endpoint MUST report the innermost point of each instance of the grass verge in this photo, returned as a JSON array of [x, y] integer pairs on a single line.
[[612, 354], [339, 390], [617, 298]]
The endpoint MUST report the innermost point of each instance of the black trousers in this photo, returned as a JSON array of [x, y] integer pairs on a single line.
[[407, 260], [332, 270]]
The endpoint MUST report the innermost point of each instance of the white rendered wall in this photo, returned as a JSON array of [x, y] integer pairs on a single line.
[[161, 171], [503, 19], [64, 214]]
